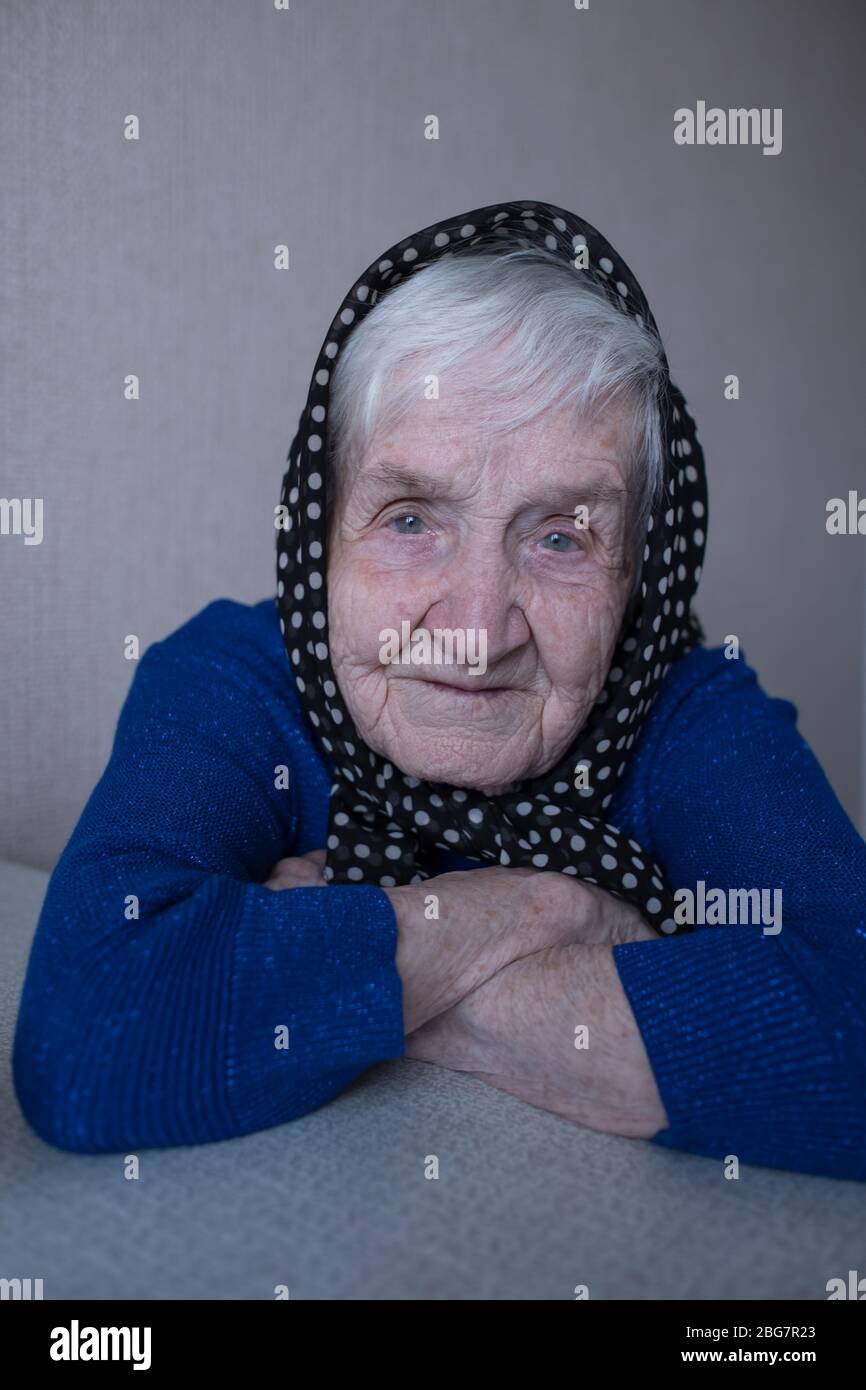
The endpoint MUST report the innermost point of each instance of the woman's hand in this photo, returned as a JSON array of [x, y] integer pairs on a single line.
[[603, 919], [553, 1025], [458, 929], [303, 872], [557, 1030]]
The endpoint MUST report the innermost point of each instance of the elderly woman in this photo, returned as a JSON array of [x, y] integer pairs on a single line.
[[487, 859]]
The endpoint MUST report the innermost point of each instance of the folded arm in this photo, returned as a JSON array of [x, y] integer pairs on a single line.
[[170, 997], [756, 1041], [557, 1030]]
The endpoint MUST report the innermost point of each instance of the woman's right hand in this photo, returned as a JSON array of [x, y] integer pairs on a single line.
[[486, 918]]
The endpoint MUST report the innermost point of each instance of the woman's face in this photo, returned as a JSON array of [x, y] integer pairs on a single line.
[[443, 528]]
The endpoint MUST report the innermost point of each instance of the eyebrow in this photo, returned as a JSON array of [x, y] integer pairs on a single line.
[[406, 479], [561, 496], [565, 496]]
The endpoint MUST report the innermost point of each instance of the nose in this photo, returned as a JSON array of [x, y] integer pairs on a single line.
[[480, 593]]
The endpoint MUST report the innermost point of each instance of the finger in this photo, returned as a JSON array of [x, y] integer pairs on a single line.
[[294, 873], [283, 866]]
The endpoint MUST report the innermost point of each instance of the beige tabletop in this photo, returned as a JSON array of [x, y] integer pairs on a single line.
[[336, 1204]]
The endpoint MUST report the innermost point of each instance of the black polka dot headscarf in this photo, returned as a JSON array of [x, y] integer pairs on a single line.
[[385, 826]]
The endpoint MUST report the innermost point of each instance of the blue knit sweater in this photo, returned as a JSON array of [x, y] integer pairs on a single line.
[[159, 1029]]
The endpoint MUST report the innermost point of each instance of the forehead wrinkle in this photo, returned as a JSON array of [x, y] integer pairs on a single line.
[[387, 473]]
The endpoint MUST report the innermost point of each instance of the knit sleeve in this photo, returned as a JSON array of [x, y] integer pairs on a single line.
[[171, 998], [756, 1036]]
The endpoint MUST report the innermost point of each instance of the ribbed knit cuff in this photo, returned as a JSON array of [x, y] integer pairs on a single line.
[[316, 997], [732, 1038]]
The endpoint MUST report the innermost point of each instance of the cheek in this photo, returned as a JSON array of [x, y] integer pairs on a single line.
[[575, 631], [363, 599]]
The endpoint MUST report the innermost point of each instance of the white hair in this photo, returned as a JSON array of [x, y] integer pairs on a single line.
[[554, 337]]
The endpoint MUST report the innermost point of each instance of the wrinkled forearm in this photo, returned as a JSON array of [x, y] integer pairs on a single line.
[[557, 1030]]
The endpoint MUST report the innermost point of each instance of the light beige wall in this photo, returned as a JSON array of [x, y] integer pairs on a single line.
[[259, 127]]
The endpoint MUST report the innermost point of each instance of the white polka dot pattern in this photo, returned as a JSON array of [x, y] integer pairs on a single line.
[[384, 825]]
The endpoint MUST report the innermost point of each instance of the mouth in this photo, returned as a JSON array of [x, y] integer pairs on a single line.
[[463, 691]]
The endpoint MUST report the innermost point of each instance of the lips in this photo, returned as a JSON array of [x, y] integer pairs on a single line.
[[453, 688]]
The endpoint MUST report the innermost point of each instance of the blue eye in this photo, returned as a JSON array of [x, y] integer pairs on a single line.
[[562, 541], [414, 523]]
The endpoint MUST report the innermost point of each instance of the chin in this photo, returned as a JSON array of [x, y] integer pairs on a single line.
[[459, 765]]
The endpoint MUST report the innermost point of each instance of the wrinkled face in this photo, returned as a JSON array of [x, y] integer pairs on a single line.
[[443, 530]]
